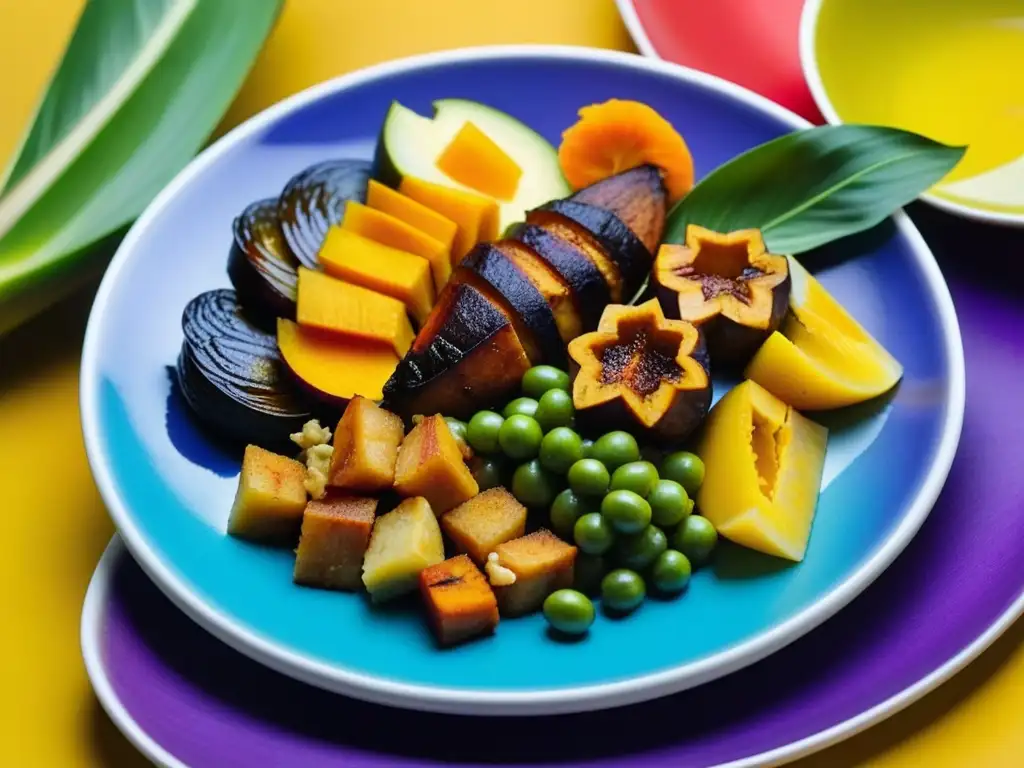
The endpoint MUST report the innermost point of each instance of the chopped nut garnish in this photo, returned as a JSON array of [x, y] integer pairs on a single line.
[[312, 434], [318, 462], [497, 574], [315, 483]]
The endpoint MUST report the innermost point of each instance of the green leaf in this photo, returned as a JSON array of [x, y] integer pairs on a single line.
[[814, 186], [141, 86], [110, 52]]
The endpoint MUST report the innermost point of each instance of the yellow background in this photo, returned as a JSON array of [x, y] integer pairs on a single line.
[[54, 526]]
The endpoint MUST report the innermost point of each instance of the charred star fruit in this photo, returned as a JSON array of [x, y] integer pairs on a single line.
[[641, 373], [726, 284]]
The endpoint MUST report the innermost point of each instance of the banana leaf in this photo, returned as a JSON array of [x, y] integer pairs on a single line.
[[140, 88]]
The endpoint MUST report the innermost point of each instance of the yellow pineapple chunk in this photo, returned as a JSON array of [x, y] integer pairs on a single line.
[[430, 464], [541, 562], [404, 542], [335, 534], [460, 602], [365, 447], [270, 498], [488, 519]]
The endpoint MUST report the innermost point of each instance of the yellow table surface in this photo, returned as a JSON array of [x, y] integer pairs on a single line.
[[56, 527]]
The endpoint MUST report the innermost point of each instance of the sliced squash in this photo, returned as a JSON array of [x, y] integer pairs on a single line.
[[394, 203], [391, 231], [488, 268], [352, 311], [381, 268], [551, 286], [475, 215], [467, 356], [573, 233], [333, 369], [472, 158]]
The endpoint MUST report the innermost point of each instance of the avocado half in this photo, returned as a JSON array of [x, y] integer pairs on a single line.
[[409, 145]]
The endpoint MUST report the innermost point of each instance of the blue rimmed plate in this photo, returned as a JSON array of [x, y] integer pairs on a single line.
[[169, 489]]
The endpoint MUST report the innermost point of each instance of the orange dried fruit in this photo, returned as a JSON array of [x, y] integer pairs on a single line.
[[618, 135]]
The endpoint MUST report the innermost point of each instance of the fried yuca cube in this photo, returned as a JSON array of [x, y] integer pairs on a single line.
[[270, 498], [430, 464], [488, 519], [335, 535], [542, 563], [404, 542], [365, 447], [460, 603]]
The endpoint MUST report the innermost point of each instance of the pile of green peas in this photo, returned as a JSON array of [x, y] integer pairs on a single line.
[[632, 521]]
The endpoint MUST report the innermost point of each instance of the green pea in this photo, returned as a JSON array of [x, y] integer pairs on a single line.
[[489, 472], [533, 486], [622, 590], [696, 538], [566, 509], [555, 409], [669, 503], [685, 468], [671, 572], [458, 428], [524, 406], [587, 572], [615, 449], [482, 431], [569, 611], [640, 550], [627, 512], [587, 445], [520, 436], [637, 476], [589, 477], [543, 378], [560, 449], [593, 534]]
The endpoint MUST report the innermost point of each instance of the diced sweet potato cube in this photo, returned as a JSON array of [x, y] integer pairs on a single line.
[[542, 563], [488, 519], [430, 464], [460, 602], [365, 447], [270, 498], [335, 535], [404, 542]]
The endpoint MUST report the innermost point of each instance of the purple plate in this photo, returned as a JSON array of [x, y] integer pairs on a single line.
[[184, 698]]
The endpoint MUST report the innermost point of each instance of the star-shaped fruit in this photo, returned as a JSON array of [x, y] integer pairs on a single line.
[[641, 373], [728, 285]]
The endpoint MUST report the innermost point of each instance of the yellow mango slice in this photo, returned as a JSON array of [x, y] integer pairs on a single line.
[[822, 358], [472, 158], [380, 268], [335, 368], [763, 463], [394, 203], [395, 233], [333, 306], [475, 215]]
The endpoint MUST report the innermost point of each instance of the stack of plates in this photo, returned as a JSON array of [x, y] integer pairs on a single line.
[[291, 681]]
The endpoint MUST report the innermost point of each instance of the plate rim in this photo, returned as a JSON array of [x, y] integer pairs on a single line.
[[631, 18], [94, 613], [370, 687], [812, 74]]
